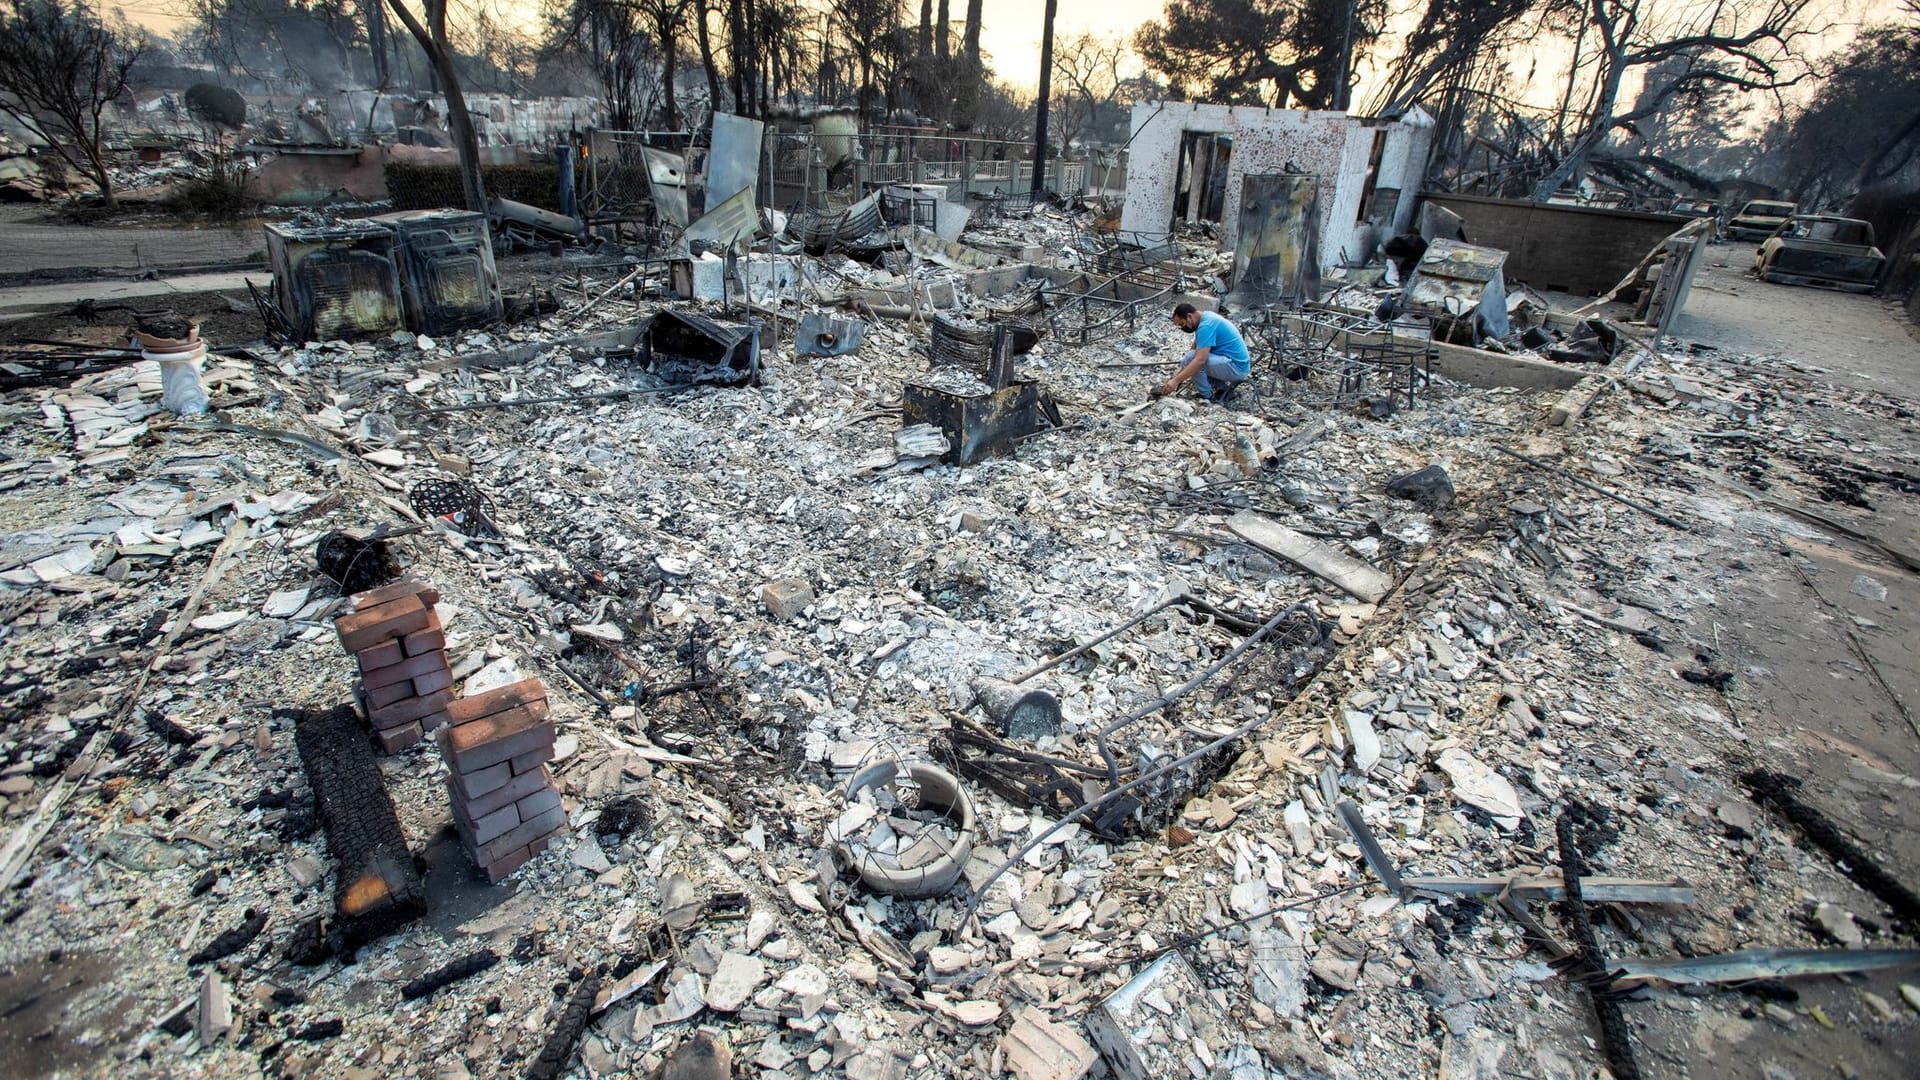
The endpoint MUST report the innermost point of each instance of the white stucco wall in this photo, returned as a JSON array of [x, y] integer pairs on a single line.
[[1331, 145]]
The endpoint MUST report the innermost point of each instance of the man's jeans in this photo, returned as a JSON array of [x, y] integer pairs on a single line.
[[1218, 367]]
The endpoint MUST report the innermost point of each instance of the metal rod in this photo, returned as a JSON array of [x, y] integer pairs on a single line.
[[1097, 642], [1376, 856], [558, 399], [1596, 488], [1188, 687], [1094, 804]]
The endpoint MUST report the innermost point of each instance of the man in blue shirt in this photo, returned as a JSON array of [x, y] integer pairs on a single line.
[[1218, 363]]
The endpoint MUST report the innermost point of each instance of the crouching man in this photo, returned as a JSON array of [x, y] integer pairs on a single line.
[[1218, 363]]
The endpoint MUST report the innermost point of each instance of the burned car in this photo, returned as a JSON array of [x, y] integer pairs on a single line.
[[1821, 249], [1759, 219]]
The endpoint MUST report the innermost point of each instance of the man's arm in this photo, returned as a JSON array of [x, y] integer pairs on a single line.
[[1185, 374]]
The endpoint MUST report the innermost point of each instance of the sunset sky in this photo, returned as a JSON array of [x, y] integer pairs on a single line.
[[1010, 29]]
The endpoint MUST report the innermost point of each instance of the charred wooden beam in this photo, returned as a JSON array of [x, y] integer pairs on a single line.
[[378, 888]]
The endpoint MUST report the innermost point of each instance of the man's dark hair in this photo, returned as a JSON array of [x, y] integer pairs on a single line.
[[1184, 309]]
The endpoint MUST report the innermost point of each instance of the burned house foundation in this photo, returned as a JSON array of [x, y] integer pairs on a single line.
[[770, 608]]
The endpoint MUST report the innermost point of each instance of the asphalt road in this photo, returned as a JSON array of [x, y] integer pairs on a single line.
[[29, 243]]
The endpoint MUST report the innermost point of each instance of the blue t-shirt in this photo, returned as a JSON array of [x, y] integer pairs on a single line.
[[1218, 334]]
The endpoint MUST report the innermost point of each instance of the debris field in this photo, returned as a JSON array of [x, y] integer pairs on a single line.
[[508, 703]]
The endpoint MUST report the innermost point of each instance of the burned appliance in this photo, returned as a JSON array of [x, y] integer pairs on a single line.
[[983, 423], [688, 349], [446, 269], [1463, 288], [340, 279]]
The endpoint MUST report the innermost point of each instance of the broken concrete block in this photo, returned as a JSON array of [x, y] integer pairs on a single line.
[[1299, 829], [1478, 785], [1039, 1049], [1278, 971], [734, 982], [876, 1063], [1837, 923], [786, 598], [1365, 743]]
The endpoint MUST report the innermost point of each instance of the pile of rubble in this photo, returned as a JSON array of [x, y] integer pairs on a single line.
[[1221, 741]]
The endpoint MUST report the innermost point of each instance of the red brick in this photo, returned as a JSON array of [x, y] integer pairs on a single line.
[[540, 802], [410, 710], [515, 839], [394, 619], [434, 681], [381, 655], [411, 668], [501, 737], [383, 696], [394, 649], [533, 759], [514, 860], [479, 781], [497, 870], [394, 740], [510, 792], [426, 594], [423, 641], [481, 830], [433, 721], [498, 700]]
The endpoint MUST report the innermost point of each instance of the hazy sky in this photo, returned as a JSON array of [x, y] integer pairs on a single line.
[[1010, 29]]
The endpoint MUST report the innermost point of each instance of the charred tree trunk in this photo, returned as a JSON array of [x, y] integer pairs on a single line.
[[700, 13], [737, 47], [1594, 132], [1040, 103], [432, 37]]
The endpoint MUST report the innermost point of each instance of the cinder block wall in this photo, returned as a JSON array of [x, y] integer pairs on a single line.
[[1573, 249]]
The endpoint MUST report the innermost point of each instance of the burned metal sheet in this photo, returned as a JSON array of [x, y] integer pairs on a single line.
[[667, 182], [733, 165], [446, 269], [821, 334], [690, 350], [731, 221], [1277, 260], [951, 254], [956, 344], [980, 425], [824, 230]]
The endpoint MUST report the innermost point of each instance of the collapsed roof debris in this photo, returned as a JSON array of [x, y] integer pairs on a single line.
[[831, 667]]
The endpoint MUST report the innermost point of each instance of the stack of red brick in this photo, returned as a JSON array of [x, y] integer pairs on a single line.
[[404, 677], [496, 747]]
